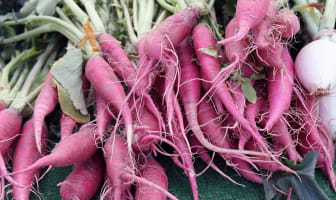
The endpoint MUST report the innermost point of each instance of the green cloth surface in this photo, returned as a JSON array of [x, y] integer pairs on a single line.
[[211, 186]]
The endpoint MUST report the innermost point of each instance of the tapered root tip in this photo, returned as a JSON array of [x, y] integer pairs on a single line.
[[238, 36]]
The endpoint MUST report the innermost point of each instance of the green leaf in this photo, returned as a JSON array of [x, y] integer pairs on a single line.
[[67, 106], [67, 71], [46, 7], [304, 189], [249, 91], [210, 51]]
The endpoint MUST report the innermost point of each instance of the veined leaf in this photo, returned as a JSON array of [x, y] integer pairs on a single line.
[[67, 71]]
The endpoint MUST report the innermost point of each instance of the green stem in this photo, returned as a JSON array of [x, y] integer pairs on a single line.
[[94, 17], [167, 6], [63, 26], [329, 15], [311, 25], [129, 26], [142, 10], [36, 68], [12, 94], [14, 78], [148, 20], [63, 16], [135, 15], [14, 64], [77, 11], [20, 102]]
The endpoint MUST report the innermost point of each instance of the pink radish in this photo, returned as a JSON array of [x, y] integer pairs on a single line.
[[288, 23], [26, 154], [45, 103], [9, 129], [107, 84], [104, 117], [210, 68], [75, 148], [67, 125], [280, 88], [120, 167], [153, 172], [84, 181], [249, 13]]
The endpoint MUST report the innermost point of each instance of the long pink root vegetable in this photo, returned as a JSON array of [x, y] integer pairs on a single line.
[[45, 103], [75, 148], [210, 68], [104, 117], [107, 85], [26, 154], [10, 127], [190, 94], [84, 181], [120, 167], [153, 172], [280, 88], [249, 13], [67, 125], [158, 48], [117, 58]]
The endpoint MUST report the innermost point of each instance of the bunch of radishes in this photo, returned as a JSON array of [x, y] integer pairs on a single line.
[[170, 87]]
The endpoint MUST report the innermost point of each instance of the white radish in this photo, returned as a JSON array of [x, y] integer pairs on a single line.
[[315, 67], [327, 112]]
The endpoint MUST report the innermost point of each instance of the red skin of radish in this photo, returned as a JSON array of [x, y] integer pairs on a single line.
[[271, 56], [84, 181], [280, 134], [252, 110], [288, 22], [75, 148], [118, 161], [150, 127], [104, 116], [280, 87], [107, 84], [310, 139], [10, 127], [249, 13], [45, 103], [67, 125], [190, 93], [26, 154], [154, 172], [210, 68], [2, 105], [170, 33], [262, 33], [117, 58]]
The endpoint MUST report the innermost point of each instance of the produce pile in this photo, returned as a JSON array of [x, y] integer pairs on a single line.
[[135, 79]]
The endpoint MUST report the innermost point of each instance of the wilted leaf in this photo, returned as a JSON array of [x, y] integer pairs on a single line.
[[249, 91], [210, 51], [67, 106], [68, 72]]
